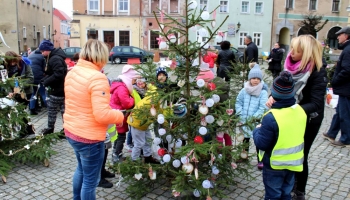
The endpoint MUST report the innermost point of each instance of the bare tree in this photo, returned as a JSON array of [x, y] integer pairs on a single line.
[[311, 24]]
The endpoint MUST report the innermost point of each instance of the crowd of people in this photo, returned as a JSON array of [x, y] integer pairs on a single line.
[[83, 94]]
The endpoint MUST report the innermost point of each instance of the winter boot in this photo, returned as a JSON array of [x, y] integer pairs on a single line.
[[33, 112], [150, 159], [47, 131], [104, 183]]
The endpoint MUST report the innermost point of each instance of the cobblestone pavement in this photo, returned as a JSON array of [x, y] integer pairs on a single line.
[[329, 172]]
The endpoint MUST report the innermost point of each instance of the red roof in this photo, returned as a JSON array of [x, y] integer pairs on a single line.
[[62, 15]]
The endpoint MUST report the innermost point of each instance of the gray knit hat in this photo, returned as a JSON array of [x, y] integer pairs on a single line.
[[255, 72]]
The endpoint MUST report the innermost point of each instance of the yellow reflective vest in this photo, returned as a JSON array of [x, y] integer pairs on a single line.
[[288, 153]]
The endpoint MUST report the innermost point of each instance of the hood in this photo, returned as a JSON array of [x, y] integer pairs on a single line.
[[58, 52], [115, 84]]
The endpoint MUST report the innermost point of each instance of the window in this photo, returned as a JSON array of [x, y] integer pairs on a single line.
[[65, 45], [48, 6], [203, 3], [153, 39], [335, 6], [123, 5], [154, 6], [289, 3], [34, 3], [258, 7], [223, 6], [312, 4], [124, 38], [245, 7], [24, 32], [34, 32], [44, 32], [93, 5], [257, 39], [126, 50], [42, 4], [241, 38], [174, 6], [28, 1]]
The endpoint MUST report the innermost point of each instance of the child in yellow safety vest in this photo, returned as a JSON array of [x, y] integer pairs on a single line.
[[280, 139]]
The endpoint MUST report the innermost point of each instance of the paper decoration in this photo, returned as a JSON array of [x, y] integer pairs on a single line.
[[176, 163], [205, 15]]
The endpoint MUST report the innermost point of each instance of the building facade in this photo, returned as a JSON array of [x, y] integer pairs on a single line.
[[288, 14], [61, 28], [24, 23]]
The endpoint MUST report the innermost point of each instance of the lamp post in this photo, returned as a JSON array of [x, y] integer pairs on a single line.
[[53, 36]]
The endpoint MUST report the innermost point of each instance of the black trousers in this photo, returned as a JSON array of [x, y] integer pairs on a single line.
[[245, 141]]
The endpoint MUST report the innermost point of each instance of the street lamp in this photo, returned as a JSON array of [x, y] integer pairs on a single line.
[[238, 27], [53, 36]]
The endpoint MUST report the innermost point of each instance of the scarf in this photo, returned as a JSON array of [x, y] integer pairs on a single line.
[[293, 67], [253, 90]]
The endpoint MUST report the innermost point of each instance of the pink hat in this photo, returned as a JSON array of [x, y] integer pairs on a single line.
[[128, 73], [206, 75]]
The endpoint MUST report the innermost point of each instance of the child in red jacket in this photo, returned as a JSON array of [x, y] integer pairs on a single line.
[[209, 58]]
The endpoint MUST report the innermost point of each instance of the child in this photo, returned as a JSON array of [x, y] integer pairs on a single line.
[[138, 93], [208, 76], [210, 58], [250, 103], [280, 138]]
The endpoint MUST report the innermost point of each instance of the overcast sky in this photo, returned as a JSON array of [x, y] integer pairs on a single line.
[[64, 5]]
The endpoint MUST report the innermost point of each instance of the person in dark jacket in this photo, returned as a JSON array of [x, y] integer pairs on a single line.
[[38, 68], [55, 73], [304, 61], [224, 61], [251, 53], [341, 87], [277, 132], [275, 59]]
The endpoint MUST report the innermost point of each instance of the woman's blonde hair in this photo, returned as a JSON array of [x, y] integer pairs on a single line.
[[95, 51], [312, 51]]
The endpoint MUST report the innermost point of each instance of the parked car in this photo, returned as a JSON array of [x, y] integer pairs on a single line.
[[70, 51], [121, 54], [238, 54]]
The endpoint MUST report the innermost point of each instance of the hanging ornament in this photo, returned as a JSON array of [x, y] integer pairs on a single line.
[[152, 174], [209, 102], [213, 23], [205, 15], [200, 83], [203, 122], [4, 75], [206, 184], [162, 151], [188, 168], [153, 111], [160, 120], [240, 137], [161, 131], [219, 37], [233, 165], [184, 160], [244, 155], [220, 122], [162, 45], [181, 83], [172, 38], [209, 119], [166, 158], [202, 130], [198, 140], [176, 163], [176, 193], [157, 141], [208, 198], [203, 33], [196, 173], [138, 176], [169, 138], [216, 98], [229, 111], [178, 143], [203, 109], [220, 156], [196, 193], [192, 5], [173, 64], [215, 170]]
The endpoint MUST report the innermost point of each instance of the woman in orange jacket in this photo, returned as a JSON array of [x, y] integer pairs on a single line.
[[87, 115]]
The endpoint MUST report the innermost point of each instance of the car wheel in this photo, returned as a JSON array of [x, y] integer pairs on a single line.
[[117, 60]]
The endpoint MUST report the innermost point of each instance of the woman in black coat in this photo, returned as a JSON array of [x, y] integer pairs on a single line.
[[275, 59], [304, 61]]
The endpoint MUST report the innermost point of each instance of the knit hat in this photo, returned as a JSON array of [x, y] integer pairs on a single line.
[[205, 75], [161, 70], [283, 86], [46, 45], [255, 72], [128, 73]]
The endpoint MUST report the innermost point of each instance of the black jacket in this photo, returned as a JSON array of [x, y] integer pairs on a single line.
[[277, 56], [251, 53], [225, 57], [56, 72], [341, 77], [38, 66]]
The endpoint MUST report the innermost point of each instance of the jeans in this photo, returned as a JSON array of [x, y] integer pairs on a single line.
[[278, 184], [341, 121], [88, 172], [129, 137], [42, 93]]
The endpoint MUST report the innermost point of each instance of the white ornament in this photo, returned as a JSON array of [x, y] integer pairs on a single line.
[[27, 146], [168, 138], [216, 98], [203, 33], [185, 136], [160, 115], [206, 184], [166, 158], [203, 109], [220, 122], [209, 119], [10, 152], [157, 141], [6, 102], [188, 168], [240, 137], [184, 160], [138, 176], [192, 5], [153, 111], [178, 143], [220, 156], [172, 39], [161, 131], [244, 155], [218, 39], [209, 102], [205, 15], [196, 193], [176, 163], [200, 82], [162, 45], [160, 120], [203, 130], [215, 170]]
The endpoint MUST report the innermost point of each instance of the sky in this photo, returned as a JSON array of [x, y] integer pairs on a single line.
[[64, 5]]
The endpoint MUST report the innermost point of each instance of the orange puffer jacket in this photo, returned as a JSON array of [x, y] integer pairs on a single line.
[[87, 111]]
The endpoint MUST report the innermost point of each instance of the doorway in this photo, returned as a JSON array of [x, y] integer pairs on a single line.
[[108, 38]]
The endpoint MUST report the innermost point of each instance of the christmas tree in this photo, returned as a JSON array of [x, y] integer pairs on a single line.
[[187, 118], [16, 146]]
